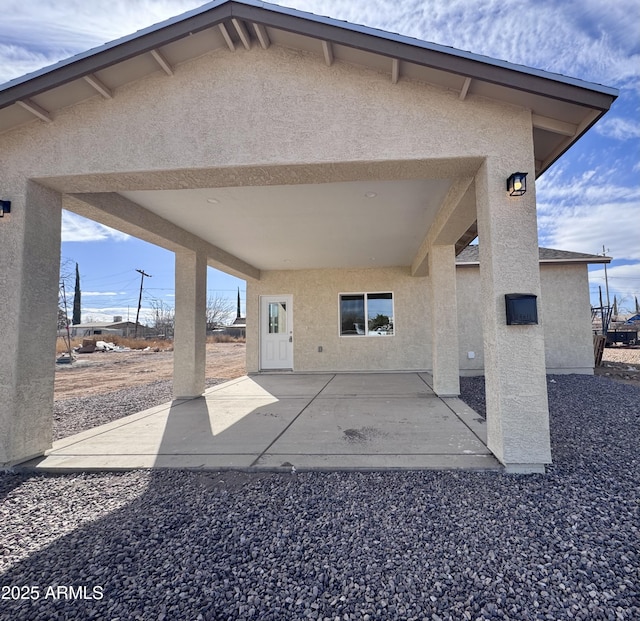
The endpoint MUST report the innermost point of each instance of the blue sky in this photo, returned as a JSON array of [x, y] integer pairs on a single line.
[[587, 200]]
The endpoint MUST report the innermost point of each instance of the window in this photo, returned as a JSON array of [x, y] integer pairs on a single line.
[[366, 314], [277, 317]]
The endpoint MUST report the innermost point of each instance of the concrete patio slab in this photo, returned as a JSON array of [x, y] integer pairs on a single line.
[[279, 386], [377, 384], [392, 425], [271, 422]]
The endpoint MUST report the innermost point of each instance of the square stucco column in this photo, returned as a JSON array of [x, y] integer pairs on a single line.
[[515, 375], [444, 323], [29, 273], [190, 338]]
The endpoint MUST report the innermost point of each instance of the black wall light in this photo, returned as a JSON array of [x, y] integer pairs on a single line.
[[517, 184], [5, 207]]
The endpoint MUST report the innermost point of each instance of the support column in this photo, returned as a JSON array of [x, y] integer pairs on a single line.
[[515, 375], [444, 321], [29, 273], [189, 344]]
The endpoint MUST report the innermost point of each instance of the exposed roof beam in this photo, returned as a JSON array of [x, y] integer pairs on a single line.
[[453, 220], [395, 70], [35, 109], [587, 122], [553, 125], [105, 91], [465, 89], [327, 50], [466, 238], [227, 37], [162, 61], [243, 33], [263, 36], [392, 46]]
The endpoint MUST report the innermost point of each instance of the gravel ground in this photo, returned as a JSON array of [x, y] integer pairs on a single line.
[[417, 545], [71, 416]]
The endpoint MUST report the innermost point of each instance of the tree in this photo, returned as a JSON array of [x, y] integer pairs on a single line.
[[379, 321], [163, 318], [62, 319], [76, 300], [219, 311], [66, 272]]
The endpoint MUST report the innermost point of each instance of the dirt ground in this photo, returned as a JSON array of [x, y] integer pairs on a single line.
[[621, 364], [100, 373]]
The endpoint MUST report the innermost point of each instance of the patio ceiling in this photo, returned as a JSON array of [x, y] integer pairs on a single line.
[[355, 224]]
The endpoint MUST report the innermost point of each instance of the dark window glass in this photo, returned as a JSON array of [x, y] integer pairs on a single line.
[[352, 315]]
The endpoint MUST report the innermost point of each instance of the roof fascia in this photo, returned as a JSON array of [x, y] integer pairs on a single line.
[[360, 37], [428, 54], [115, 52], [595, 259]]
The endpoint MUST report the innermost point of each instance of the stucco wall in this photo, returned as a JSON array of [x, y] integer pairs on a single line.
[[563, 311], [316, 320], [566, 316], [236, 109]]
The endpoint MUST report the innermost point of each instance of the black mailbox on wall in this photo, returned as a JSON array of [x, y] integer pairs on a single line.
[[522, 309]]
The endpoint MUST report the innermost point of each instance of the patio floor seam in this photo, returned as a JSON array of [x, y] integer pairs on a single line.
[[255, 461]]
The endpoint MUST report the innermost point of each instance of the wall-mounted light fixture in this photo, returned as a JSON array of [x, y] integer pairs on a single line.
[[5, 207], [517, 184]]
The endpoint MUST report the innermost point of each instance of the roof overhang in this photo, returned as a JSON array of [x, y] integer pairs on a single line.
[[563, 108]]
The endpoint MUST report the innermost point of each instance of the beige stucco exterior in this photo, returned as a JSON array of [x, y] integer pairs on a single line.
[[278, 117], [563, 313], [316, 320]]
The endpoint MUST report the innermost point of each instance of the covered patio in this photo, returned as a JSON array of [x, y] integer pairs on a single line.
[[289, 421], [333, 167]]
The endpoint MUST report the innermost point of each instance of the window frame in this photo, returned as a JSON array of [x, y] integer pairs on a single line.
[[365, 295]]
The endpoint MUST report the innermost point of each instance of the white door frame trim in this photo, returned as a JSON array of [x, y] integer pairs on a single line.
[[288, 298]]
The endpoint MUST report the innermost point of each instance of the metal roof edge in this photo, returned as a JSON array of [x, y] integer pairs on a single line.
[[244, 9], [94, 51], [428, 45]]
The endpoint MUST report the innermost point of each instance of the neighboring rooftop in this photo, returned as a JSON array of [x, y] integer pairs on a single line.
[[471, 256]]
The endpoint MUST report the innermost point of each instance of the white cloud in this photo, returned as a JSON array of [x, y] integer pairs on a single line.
[[624, 283], [38, 33], [620, 129], [108, 293], [107, 313], [603, 36], [583, 213], [78, 229]]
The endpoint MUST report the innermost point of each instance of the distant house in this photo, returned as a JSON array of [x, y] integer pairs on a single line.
[[105, 328]]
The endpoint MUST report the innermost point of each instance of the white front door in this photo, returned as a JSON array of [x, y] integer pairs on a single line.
[[276, 332]]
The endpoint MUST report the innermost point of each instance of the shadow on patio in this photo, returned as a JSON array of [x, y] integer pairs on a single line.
[[280, 421]]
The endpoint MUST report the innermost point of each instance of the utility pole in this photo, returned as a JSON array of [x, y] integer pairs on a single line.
[[606, 278], [142, 275]]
